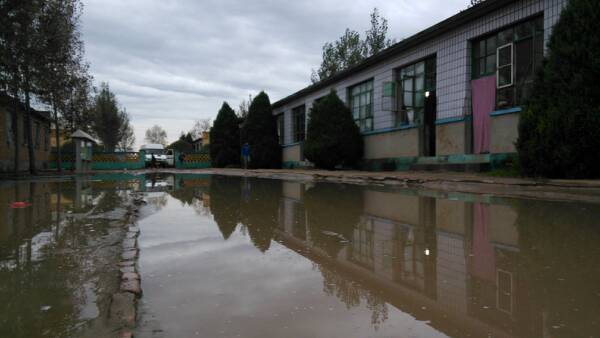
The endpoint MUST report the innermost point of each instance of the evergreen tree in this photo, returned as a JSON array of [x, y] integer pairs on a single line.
[[110, 123], [333, 137], [260, 132], [225, 139], [559, 131]]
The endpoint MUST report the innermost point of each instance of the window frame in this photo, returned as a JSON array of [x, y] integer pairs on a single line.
[[368, 107], [511, 65], [299, 115]]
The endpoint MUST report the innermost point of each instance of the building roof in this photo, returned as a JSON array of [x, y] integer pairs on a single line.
[[444, 26], [8, 101], [83, 135]]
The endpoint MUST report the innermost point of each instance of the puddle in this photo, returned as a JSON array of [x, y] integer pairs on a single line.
[[235, 257], [239, 257]]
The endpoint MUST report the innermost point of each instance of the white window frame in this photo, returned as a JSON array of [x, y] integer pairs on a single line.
[[511, 65], [498, 272]]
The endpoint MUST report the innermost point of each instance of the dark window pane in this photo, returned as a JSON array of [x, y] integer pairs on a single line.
[[505, 76], [524, 60], [490, 64], [504, 56], [524, 30], [491, 45], [476, 52], [481, 67], [505, 98], [505, 37]]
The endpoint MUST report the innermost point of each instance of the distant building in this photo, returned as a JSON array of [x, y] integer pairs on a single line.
[[40, 125], [451, 92], [202, 142]]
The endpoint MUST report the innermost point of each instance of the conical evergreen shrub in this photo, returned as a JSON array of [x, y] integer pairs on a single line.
[[333, 138], [559, 131], [225, 139], [260, 131]]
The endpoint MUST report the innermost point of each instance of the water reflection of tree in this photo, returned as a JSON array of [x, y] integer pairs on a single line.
[[351, 293], [259, 209], [333, 208], [225, 195], [559, 243]]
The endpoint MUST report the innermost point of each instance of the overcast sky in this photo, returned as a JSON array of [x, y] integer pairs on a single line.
[[171, 62]]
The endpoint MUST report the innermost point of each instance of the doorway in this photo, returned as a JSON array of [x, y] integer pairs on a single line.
[[429, 117]]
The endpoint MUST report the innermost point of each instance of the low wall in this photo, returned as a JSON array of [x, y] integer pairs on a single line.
[[450, 138], [200, 160], [392, 144], [102, 161], [504, 132]]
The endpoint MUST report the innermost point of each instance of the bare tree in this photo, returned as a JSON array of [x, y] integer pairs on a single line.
[[200, 126], [157, 135], [244, 107], [128, 140]]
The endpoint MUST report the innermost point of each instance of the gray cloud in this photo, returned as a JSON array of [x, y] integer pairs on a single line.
[[171, 62]]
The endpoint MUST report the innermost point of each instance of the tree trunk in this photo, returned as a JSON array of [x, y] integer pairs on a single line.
[[15, 130], [57, 130], [32, 168]]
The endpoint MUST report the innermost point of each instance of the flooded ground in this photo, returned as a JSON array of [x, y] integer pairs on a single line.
[[239, 257], [234, 257], [58, 255]]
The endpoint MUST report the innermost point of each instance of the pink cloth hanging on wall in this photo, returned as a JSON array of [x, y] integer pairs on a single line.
[[484, 256], [483, 96]]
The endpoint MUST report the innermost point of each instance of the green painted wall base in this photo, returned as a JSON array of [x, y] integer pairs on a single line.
[[485, 161]]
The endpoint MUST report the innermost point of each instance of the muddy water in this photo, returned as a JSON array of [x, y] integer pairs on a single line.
[[234, 257], [57, 256]]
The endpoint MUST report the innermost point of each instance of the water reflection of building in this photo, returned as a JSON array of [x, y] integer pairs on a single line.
[[455, 259]]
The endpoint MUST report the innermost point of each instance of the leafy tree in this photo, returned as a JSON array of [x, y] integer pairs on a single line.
[[225, 195], [376, 38], [110, 123], [333, 138], [559, 131], [225, 139], [260, 132], [20, 49], [156, 134], [349, 50], [344, 53]]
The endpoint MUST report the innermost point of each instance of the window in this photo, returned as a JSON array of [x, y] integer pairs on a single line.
[[517, 54], [298, 118], [361, 104], [504, 291], [280, 128], [415, 80], [504, 73]]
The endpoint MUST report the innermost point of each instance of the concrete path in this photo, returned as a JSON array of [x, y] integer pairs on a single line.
[[560, 190]]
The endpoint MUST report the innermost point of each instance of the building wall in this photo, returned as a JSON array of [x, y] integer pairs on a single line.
[[400, 143], [451, 138], [7, 144], [452, 50], [504, 132], [292, 153]]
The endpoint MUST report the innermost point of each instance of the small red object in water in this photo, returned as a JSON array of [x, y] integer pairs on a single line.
[[20, 205]]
